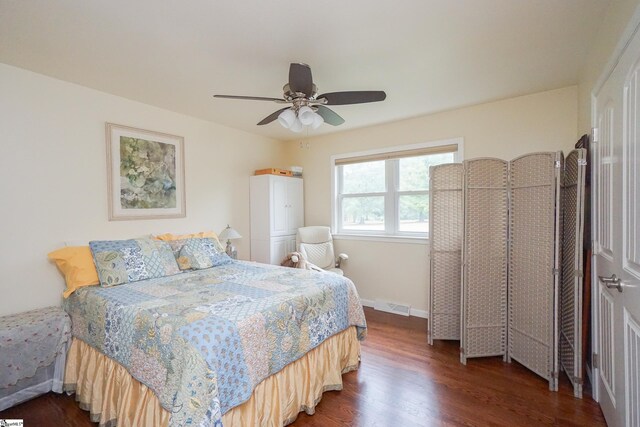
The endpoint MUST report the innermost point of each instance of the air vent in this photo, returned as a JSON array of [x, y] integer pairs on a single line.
[[391, 307]]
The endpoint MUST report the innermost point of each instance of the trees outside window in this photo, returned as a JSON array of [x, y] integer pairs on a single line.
[[387, 195]]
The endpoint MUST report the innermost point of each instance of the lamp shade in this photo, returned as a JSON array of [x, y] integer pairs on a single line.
[[306, 115], [317, 121], [296, 126], [287, 118], [229, 234]]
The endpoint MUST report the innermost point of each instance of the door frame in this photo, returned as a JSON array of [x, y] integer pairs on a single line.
[[632, 27]]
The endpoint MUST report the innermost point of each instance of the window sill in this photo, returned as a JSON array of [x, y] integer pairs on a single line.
[[381, 238]]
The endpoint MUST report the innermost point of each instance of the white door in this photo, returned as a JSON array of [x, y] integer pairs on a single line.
[[616, 196]]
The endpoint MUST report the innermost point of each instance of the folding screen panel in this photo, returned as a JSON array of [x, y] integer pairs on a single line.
[[484, 283], [534, 181], [570, 339], [512, 235], [445, 240]]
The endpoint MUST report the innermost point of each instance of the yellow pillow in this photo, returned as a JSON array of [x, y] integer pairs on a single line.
[[76, 264], [201, 235]]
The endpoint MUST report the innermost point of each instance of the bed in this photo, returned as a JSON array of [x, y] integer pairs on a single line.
[[240, 343]]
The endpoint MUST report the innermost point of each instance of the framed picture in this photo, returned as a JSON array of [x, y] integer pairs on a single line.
[[145, 172]]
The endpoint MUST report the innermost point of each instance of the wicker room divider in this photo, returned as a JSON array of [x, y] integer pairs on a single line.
[[513, 300], [571, 287], [484, 259], [534, 262], [445, 254]]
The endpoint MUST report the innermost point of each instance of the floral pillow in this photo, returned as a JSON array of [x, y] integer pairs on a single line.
[[177, 244], [199, 253], [193, 257], [216, 252], [124, 261]]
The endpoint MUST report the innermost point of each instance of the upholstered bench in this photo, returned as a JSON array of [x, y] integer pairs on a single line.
[[33, 351]]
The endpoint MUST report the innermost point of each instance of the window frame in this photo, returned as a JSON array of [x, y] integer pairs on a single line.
[[391, 194]]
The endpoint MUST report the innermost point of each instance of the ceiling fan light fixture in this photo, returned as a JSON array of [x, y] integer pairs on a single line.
[[317, 121], [306, 115], [287, 119], [296, 126]]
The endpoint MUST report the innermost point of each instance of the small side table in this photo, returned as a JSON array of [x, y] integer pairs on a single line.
[[33, 352]]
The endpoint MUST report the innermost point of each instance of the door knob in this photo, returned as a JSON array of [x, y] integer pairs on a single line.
[[612, 282]]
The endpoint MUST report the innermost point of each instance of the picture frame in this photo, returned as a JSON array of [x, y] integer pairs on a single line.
[[145, 174]]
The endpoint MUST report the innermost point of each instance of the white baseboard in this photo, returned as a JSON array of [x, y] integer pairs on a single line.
[[413, 311], [367, 302], [419, 313]]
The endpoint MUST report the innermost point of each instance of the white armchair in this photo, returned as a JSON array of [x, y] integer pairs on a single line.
[[315, 243]]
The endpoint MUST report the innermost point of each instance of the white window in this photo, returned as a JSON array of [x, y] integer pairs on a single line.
[[386, 192]]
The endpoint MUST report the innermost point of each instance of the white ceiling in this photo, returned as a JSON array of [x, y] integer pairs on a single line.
[[428, 55]]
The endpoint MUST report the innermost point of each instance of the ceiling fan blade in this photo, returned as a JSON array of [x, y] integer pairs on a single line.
[[300, 79], [271, 117], [251, 98], [353, 97], [330, 116]]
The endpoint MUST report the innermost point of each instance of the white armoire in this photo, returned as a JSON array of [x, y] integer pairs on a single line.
[[277, 211]]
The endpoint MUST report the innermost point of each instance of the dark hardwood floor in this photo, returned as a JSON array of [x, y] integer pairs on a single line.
[[404, 382]]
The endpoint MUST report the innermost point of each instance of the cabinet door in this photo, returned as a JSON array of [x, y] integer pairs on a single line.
[[279, 206], [279, 250], [295, 203], [291, 244]]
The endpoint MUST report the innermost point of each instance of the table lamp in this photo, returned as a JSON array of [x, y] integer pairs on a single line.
[[230, 234]]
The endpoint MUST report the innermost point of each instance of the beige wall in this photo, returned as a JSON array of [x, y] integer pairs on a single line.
[[53, 182], [53, 185], [602, 48], [54, 176], [398, 272]]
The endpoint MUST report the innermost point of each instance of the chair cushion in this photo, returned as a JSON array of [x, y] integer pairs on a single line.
[[314, 234], [320, 254]]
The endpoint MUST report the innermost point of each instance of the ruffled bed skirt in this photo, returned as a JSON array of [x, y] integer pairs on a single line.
[[113, 397]]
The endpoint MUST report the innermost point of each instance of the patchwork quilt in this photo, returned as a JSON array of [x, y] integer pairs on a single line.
[[203, 340]]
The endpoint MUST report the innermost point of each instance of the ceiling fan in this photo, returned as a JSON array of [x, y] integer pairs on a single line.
[[307, 107]]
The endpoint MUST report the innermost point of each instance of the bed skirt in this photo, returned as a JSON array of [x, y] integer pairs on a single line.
[[113, 397]]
